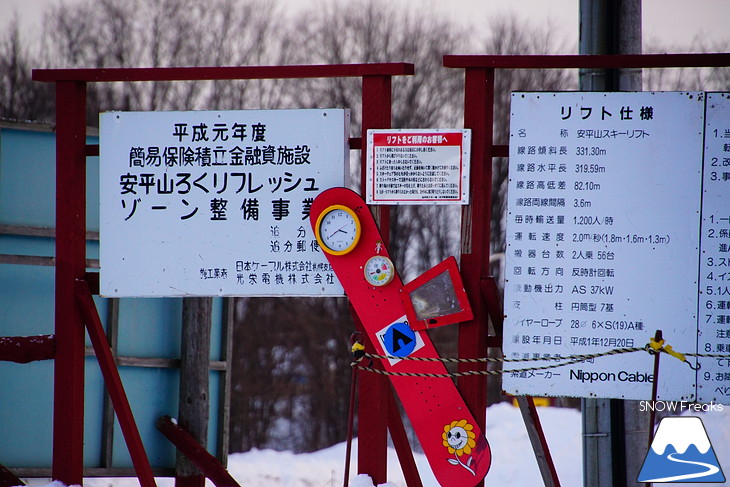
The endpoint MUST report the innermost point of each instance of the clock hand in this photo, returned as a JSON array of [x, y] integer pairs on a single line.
[[338, 230]]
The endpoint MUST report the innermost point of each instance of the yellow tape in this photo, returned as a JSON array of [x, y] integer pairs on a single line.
[[668, 349], [656, 345], [660, 347]]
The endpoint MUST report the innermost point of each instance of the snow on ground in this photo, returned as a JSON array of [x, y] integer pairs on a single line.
[[513, 463], [512, 460]]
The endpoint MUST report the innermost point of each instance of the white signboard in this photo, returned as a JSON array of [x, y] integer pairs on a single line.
[[216, 203], [603, 240], [414, 166], [713, 379]]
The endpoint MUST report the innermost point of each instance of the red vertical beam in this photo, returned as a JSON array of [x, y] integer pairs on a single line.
[[377, 103], [478, 115], [373, 389], [68, 402]]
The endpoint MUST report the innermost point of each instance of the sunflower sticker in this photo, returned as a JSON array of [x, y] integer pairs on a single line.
[[459, 439]]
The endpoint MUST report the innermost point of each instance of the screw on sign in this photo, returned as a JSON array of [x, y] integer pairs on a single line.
[[455, 446]]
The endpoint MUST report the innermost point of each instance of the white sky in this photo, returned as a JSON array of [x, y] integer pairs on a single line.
[[670, 22]]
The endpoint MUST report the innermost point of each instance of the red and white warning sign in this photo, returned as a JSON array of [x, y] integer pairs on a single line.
[[418, 166]]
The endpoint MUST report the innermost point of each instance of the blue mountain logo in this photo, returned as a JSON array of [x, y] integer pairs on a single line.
[[681, 452]]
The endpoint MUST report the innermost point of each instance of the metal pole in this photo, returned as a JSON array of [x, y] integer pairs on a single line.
[[614, 431], [654, 387], [68, 384], [373, 389], [475, 236]]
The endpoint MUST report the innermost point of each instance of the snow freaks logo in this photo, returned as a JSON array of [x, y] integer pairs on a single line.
[[681, 452]]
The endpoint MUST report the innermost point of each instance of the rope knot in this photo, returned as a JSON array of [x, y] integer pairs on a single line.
[[658, 346]]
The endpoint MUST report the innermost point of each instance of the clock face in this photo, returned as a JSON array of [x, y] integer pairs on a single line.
[[379, 270], [338, 230]]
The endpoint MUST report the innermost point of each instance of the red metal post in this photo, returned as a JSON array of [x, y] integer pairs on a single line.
[[654, 387], [377, 93], [68, 411], [478, 116], [373, 389]]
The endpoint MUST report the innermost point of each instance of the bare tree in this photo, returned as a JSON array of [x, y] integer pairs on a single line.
[[160, 33], [687, 79], [510, 35], [20, 98], [377, 31]]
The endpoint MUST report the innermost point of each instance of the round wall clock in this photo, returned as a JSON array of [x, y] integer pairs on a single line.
[[337, 230]]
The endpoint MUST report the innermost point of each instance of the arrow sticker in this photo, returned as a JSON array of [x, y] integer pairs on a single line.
[[398, 340]]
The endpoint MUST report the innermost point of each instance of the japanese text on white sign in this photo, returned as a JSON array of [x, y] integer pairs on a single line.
[[216, 203], [603, 241], [713, 324]]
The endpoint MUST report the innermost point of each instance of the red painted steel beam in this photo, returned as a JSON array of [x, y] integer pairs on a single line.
[[188, 446], [68, 403], [588, 61], [500, 151], [22, 350], [113, 383], [373, 389], [476, 217], [223, 72]]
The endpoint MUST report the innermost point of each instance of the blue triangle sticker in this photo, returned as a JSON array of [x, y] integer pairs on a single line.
[[681, 452]]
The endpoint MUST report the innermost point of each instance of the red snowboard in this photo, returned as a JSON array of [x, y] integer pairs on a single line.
[[456, 448]]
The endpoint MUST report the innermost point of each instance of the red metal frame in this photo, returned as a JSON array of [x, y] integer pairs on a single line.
[[376, 103], [479, 117], [71, 151]]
